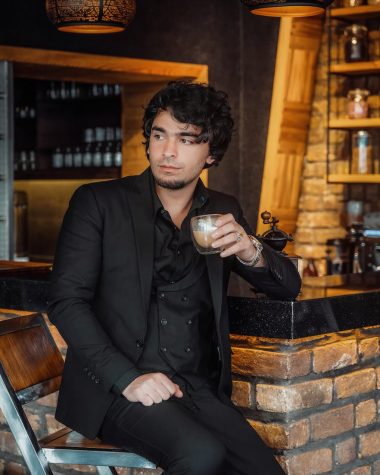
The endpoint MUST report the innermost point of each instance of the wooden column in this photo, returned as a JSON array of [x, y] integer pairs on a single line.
[[297, 53]]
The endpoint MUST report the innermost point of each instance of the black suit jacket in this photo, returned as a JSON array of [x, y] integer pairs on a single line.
[[101, 286]]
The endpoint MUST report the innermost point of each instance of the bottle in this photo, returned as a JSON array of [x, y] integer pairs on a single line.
[[88, 148], [68, 158], [57, 158], [32, 160], [108, 155], [97, 158], [362, 157], [117, 156], [356, 43], [77, 158], [357, 106]]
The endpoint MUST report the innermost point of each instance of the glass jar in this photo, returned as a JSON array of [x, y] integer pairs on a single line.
[[357, 106], [362, 156], [356, 43]]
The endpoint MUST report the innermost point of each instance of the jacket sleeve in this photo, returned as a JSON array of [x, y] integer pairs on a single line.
[[279, 277], [76, 270]]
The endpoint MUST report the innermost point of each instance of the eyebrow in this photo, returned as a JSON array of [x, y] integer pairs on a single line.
[[181, 134]]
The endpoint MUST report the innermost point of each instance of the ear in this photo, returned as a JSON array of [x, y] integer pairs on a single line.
[[210, 160]]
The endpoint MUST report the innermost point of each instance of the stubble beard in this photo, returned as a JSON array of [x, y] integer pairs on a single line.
[[170, 185]]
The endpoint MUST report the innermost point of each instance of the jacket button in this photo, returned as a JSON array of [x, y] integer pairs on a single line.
[[161, 295], [185, 298], [163, 321], [139, 343], [189, 322], [187, 349], [93, 377], [96, 381], [164, 349]]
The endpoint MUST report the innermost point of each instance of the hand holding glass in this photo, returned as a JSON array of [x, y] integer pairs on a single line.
[[202, 228]]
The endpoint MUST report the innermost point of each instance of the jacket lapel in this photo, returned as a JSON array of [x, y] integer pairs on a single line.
[[141, 209]]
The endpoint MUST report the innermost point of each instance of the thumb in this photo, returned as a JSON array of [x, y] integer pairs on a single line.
[[178, 392]]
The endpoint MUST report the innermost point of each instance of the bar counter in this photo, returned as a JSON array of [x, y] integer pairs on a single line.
[[306, 373]]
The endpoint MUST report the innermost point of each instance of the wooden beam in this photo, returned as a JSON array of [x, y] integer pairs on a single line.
[[297, 53]]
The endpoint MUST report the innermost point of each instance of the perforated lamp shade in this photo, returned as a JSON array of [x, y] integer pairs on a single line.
[[291, 8], [91, 16]]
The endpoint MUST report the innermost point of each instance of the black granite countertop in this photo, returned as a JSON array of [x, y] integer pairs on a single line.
[[28, 290]]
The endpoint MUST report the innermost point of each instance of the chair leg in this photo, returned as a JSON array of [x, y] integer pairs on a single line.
[[106, 470], [22, 432]]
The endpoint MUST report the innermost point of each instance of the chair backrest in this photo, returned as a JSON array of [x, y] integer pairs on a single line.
[[29, 358]]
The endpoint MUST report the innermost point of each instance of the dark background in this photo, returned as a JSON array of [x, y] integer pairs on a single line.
[[238, 47]]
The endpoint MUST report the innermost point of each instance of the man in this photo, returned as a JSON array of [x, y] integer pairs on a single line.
[[145, 316]]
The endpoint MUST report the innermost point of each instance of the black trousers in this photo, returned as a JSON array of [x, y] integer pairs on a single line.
[[193, 435]]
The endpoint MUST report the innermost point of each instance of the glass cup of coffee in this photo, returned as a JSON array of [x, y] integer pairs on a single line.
[[202, 228]]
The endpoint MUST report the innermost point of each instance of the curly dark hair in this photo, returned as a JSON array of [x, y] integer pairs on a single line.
[[196, 104]]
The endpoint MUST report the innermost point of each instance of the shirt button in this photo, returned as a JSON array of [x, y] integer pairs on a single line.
[[189, 322], [164, 321], [164, 349], [139, 343], [185, 298], [187, 349]]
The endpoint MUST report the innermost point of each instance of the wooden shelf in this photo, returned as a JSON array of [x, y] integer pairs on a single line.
[[353, 69], [355, 13], [91, 173], [351, 178], [372, 122]]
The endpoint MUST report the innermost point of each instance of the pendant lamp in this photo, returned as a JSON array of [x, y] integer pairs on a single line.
[[91, 16], [289, 8]]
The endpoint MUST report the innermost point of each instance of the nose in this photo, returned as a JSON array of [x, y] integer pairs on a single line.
[[170, 148]]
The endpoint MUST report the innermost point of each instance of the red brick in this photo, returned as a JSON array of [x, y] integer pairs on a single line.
[[369, 443], [284, 365], [345, 451], [334, 356], [332, 422], [297, 396], [13, 468], [310, 463], [8, 443], [364, 470], [283, 436], [242, 393], [369, 348], [356, 382], [365, 413]]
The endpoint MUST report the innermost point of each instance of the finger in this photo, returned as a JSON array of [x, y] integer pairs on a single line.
[[146, 400], [227, 240], [178, 392], [224, 219], [231, 250], [227, 228], [167, 383]]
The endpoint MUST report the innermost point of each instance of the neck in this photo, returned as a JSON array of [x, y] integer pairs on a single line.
[[177, 202]]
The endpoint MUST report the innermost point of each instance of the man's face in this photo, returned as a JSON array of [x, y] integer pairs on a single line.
[[176, 158]]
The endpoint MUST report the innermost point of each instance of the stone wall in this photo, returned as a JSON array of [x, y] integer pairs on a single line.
[[315, 401]]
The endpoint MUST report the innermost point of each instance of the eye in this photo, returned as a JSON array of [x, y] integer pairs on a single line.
[[158, 136], [187, 141]]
